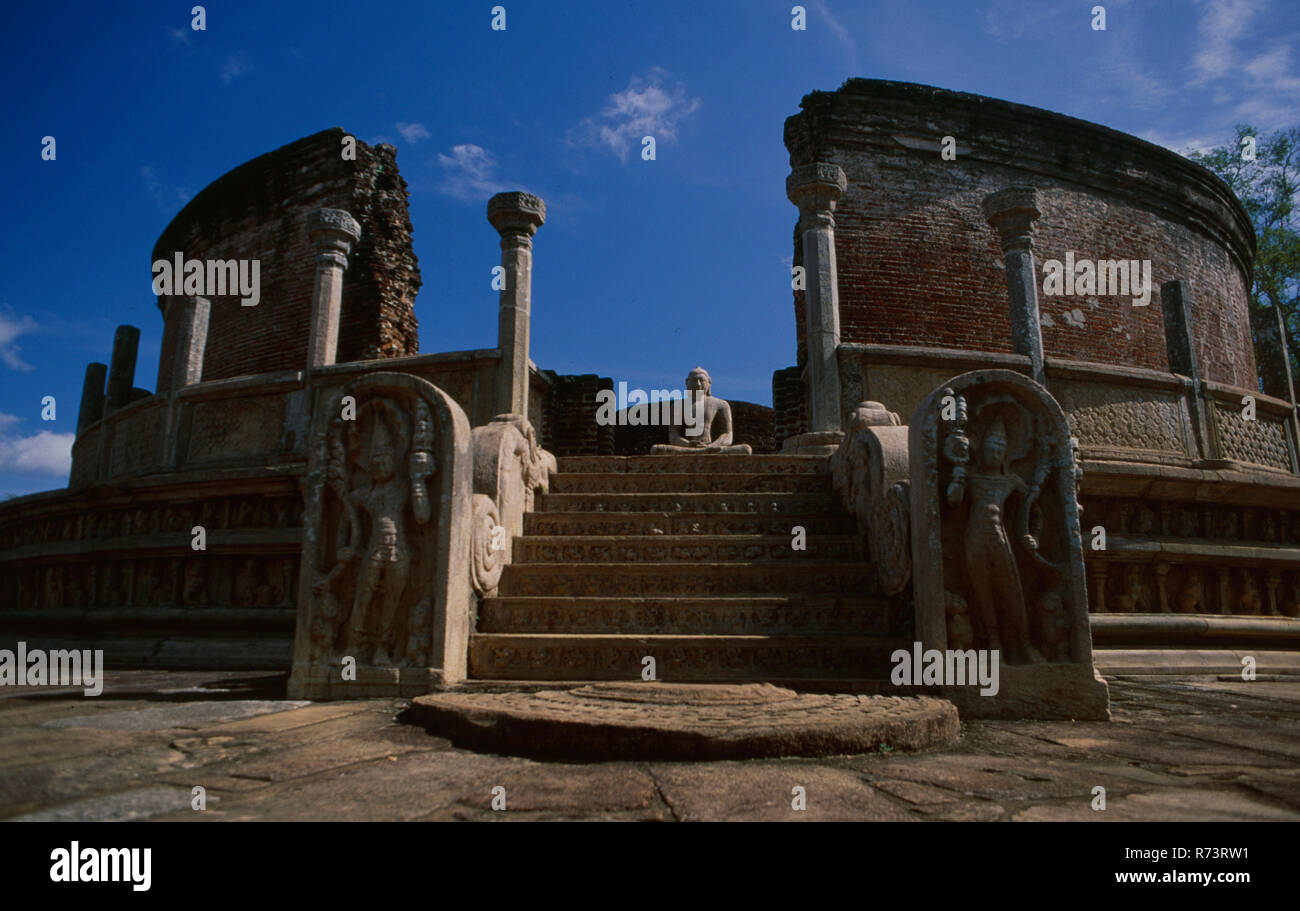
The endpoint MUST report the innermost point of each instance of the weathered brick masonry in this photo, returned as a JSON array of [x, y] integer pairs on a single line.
[[918, 264], [259, 211]]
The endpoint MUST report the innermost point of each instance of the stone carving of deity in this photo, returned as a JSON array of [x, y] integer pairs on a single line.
[[375, 485], [997, 538]]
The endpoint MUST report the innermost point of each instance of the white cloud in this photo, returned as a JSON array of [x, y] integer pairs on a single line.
[[179, 37], [649, 106], [837, 28], [10, 329], [1245, 62], [470, 174], [167, 199], [1183, 142], [1222, 23], [1012, 20], [412, 132], [43, 453], [235, 66]]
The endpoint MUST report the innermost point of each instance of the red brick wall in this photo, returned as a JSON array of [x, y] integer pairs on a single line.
[[919, 265], [259, 211]]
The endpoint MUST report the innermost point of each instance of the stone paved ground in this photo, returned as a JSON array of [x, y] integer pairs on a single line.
[[1177, 749]]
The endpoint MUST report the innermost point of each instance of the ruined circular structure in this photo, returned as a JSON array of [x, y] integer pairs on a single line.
[[258, 211], [919, 267], [931, 226]]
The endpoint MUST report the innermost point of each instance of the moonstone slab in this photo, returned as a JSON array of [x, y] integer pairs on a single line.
[[684, 721]]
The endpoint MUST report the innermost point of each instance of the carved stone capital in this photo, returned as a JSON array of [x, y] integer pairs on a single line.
[[816, 188], [1012, 212], [516, 213], [333, 232]]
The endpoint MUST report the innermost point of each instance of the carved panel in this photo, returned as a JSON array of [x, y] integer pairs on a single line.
[[1123, 418], [1259, 442], [236, 428]]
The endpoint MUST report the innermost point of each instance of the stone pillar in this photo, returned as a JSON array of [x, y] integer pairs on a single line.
[[1271, 352], [1012, 212], [121, 370], [1274, 359], [815, 189], [1180, 343], [185, 335], [333, 232], [517, 216], [92, 396]]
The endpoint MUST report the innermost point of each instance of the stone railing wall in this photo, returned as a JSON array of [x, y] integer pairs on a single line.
[[1117, 413], [1199, 507], [261, 420]]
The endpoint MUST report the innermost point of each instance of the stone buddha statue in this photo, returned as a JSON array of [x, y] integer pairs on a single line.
[[707, 422]]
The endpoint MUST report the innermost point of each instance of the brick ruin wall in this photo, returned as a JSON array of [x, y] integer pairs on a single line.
[[259, 211], [919, 265]]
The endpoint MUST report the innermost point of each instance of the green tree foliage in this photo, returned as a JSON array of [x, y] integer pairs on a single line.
[[1268, 187]]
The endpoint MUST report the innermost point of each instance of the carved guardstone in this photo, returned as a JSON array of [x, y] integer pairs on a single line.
[[997, 547], [384, 580]]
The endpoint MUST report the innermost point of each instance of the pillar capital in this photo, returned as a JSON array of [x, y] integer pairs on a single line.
[[1012, 212], [333, 232], [816, 188], [516, 215]]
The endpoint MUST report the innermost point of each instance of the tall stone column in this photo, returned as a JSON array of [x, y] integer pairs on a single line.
[[517, 216], [815, 189], [1180, 345], [185, 335], [1272, 354], [121, 369], [1013, 212], [92, 396], [333, 232]]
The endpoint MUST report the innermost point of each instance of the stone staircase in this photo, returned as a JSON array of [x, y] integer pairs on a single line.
[[687, 559]]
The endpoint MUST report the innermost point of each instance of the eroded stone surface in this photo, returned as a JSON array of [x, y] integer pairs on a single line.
[[665, 721], [1175, 750]]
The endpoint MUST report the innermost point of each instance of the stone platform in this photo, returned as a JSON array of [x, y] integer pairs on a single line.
[[684, 721], [1176, 750]]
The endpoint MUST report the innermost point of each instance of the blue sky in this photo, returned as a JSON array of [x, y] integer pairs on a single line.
[[644, 268]]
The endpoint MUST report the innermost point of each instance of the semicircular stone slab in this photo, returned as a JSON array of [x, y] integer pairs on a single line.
[[684, 721]]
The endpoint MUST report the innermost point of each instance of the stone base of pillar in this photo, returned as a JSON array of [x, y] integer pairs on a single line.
[[822, 443], [326, 682]]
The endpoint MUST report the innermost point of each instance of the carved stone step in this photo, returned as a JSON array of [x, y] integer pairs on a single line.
[[684, 548], [755, 616], [685, 580], [726, 482], [701, 464], [766, 503], [686, 523], [679, 658]]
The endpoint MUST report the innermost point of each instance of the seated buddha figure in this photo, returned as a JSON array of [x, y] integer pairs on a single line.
[[707, 422]]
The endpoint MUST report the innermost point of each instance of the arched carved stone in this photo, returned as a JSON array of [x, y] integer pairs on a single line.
[[995, 524], [487, 547], [385, 542], [869, 471]]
